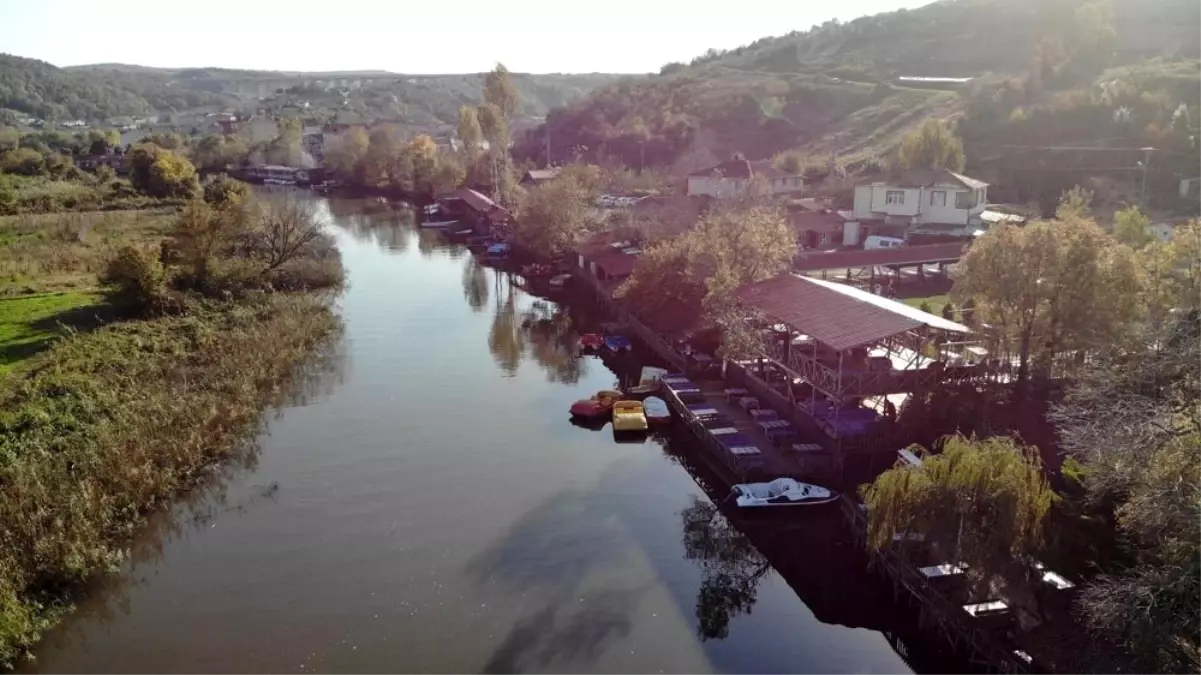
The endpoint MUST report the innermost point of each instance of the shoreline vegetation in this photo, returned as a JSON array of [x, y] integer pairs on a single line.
[[136, 350]]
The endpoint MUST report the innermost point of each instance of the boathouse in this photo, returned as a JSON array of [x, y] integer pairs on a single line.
[[605, 261], [474, 208], [845, 361]]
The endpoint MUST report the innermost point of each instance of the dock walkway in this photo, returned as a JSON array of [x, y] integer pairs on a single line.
[[729, 419]]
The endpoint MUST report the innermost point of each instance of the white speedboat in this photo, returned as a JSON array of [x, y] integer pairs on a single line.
[[782, 492]]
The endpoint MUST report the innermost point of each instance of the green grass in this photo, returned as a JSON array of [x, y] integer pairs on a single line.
[[935, 302], [30, 324]]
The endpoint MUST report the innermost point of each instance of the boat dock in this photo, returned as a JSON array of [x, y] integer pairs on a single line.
[[747, 438]]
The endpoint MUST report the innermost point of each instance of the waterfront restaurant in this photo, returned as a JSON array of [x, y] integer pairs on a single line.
[[845, 360]]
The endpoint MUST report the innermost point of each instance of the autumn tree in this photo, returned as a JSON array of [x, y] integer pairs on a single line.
[[346, 154], [470, 132], [1049, 288], [1173, 272], [553, 216], [221, 191], [932, 146], [1132, 227], [500, 91], [383, 162], [100, 141], [1133, 422]]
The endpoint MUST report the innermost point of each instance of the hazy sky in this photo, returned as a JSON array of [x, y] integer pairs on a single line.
[[407, 36]]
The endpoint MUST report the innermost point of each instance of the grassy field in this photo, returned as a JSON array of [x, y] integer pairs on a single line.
[[48, 268], [30, 323]]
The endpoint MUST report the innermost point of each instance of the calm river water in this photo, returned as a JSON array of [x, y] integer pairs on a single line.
[[424, 505]]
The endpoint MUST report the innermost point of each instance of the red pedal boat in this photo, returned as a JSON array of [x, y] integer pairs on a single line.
[[591, 342]]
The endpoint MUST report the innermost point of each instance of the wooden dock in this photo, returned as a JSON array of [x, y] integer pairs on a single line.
[[775, 458]]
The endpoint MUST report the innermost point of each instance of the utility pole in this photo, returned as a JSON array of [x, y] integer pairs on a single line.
[[1146, 165], [548, 144]]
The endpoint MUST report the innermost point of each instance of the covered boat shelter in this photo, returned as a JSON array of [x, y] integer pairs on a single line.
[[845, 359], [878, 266]]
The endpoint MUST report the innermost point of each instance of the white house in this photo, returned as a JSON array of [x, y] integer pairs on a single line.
[[922, 197], [733, 177]]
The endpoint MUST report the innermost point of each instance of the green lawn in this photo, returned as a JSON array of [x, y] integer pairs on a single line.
[[935, 302], [29, 324]]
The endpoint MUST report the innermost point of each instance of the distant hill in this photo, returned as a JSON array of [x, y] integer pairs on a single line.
[[95, 92], [1059, 68]]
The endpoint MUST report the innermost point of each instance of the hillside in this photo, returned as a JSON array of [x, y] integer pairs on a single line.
[[105, 90], [835, 89]]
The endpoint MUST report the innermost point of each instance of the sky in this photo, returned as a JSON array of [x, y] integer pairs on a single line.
[[405, 36]]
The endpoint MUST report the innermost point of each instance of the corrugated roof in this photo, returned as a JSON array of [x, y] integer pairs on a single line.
[[931, 177], [474, 199], [838, 316], [905, 255], [734, 168]]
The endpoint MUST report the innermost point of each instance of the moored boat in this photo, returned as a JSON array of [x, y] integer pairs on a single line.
[[629, 416], [656, 410], [591, 342], [559, 280], [648, 382], [600, 406], [618, 343], [781, 492]]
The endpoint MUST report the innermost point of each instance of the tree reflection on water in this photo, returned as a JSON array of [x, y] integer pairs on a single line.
[[731, 567], [541, 330]]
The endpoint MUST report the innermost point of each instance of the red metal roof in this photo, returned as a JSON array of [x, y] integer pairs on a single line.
[[905, 255], [833, 314], [475, 200]]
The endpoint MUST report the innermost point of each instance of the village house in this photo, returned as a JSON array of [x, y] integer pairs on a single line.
[[606, 261], [539, 176], [732, 178], [920, 197]]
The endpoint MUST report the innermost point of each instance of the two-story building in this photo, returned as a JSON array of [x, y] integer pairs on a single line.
[[732, 178], [920, 197]]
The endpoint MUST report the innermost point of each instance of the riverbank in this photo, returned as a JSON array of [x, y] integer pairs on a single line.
[[100, 427]]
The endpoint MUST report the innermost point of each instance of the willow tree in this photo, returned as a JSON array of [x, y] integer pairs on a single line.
[[982, 503]]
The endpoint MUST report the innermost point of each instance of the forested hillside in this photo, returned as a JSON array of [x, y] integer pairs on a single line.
[[1042, 72], [95, 92]]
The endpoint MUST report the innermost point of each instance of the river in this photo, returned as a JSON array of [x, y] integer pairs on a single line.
[[423, 504]]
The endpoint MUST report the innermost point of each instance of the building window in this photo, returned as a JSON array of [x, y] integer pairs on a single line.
[[938, 198], [965, 200], [894, 197]]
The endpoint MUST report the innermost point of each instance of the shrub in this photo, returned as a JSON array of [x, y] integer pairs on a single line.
[[23, 161], [137, 279]]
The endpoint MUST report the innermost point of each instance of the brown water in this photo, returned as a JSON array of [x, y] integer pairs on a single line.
[[424, 505]]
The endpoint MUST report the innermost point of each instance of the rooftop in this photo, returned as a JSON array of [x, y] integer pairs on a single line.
[[734, 168], [931, 177], [839, 316], [905, 255]]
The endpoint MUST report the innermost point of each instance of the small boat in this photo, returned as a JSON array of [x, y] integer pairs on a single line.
[[781, 492], [629, 416], [536, 270], [591, 342], [599, 406], [438, 223], [656, 410], [498, 250], [559, 280], [648, 382], [618, 343]]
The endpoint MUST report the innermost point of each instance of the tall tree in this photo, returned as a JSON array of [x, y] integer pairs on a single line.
[[932, 146], [382, 164], [346, 154], [470, 132], [553, 216], [500, 91], [1051, 287]]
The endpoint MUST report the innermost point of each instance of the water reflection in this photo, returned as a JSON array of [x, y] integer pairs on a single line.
[[475, 285], [506, 340], [731, 567], [389, 226], [571, 625]]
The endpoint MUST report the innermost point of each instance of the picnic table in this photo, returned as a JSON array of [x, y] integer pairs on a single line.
[[749, 402], [735, 392], [776, 429], [702, 412], [723, 431], [806, 447]]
